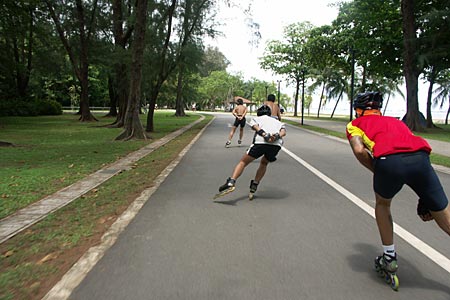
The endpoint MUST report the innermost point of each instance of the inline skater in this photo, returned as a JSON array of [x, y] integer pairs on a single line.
[[267, 142], [239, 112], [387, 147]]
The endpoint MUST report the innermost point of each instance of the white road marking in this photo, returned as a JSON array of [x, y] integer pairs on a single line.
[[428, 251]]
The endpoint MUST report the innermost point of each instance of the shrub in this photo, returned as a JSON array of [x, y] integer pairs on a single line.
[[49, 107], [18, 107]]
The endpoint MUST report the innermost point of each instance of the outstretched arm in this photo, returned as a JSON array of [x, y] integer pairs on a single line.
[[361, 153]]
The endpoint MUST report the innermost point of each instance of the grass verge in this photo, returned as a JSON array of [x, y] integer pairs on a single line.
[[33, 261], [52, 152]]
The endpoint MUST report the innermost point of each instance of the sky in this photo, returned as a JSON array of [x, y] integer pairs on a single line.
[[272, 16]]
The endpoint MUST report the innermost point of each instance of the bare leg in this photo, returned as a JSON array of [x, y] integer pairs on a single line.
[[261, 169], [384, 219], [442, 218], [241, 133], [245, 160], [230, 136]]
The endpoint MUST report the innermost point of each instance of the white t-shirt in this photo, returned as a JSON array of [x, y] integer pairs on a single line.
[[269, 125]]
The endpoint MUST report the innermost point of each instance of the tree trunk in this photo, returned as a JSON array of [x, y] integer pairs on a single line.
[[320, 100], [448, 112], [112, 97], [410, 66], [23, 75], [122, 84], [82, 66], [429, 100], [151, 109], [297, 89], [179, 106], [133, 128], [86, 115], [121, 81], [164, 70], [335, 106]]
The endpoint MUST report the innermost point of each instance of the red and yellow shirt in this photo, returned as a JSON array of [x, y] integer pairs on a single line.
[[385, 135]]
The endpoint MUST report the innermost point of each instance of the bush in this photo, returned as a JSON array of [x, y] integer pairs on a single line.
[[49, 107], [17, 107]]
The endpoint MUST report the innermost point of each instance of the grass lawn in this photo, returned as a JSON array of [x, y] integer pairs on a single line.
[[51, 153]]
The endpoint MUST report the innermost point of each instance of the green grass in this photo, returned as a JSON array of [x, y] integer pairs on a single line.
[[440, 133], [34, 260], [52, 152]]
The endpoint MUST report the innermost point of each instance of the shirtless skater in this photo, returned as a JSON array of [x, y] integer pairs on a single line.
[[239, 113]]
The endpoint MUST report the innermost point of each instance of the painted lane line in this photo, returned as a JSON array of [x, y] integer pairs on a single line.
[[428, 251]]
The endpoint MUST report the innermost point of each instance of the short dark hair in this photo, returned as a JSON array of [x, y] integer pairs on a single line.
[[240, 101], [271, 97]]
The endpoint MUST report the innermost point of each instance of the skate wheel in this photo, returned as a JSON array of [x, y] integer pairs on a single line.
[[394, 282], [251, 196]]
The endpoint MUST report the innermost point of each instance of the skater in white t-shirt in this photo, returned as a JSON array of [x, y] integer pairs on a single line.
[[267, 143]]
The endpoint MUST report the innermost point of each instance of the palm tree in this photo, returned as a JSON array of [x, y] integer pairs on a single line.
[[336, 87], [443, 91]]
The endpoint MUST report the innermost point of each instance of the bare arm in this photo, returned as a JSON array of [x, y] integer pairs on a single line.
[[361, 153], [234, 112]]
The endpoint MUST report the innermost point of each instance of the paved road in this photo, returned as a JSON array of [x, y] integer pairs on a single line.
[[308, 234]]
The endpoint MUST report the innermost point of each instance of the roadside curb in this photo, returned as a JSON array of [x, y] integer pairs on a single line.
[[76, 274]]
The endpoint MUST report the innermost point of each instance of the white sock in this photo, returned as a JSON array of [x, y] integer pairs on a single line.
[[389, 249]]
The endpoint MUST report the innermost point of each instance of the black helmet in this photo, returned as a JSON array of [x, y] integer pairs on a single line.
[[264, 110], [368, 100]]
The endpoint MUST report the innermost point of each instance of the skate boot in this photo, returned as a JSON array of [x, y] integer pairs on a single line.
[[227, 144], [387, 266], [226, 188], [253, 187], [239, 142]]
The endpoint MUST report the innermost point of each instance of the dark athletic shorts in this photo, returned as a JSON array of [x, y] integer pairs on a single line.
[[269, 151], [391, 172], [238, 122]]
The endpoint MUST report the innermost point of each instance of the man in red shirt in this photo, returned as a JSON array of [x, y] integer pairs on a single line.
[[387, 147]]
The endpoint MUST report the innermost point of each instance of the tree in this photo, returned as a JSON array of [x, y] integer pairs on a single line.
[[289, 57], [366, 39], [411, 67], [212, 60], [133, 127], [443, 91], [434, 35], [194, 16], [18, 26], [85, 28], [218, 88], [158, 56], [119, 82]]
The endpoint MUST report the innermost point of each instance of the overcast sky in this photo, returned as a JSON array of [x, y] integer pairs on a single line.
[[272, 16]]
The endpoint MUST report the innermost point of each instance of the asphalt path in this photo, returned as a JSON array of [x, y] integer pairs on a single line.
[[308, 234]]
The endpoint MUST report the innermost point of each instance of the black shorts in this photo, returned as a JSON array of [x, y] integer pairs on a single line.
[[269, 151], [238, 122], [391, 172]]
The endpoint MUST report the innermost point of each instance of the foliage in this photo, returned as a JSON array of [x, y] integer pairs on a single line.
[[29, 108]]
